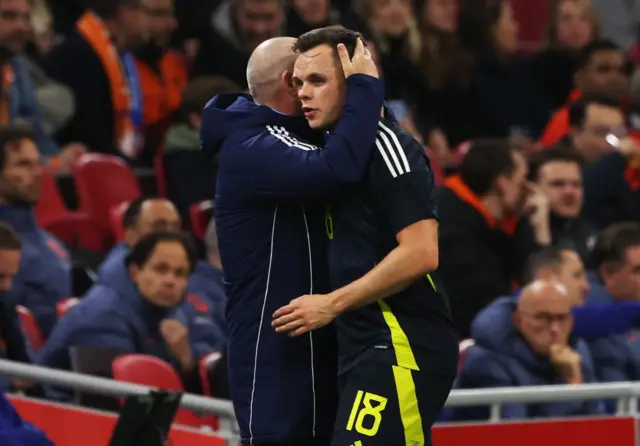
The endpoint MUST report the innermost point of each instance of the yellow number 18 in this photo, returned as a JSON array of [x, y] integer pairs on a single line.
[[368, 410]]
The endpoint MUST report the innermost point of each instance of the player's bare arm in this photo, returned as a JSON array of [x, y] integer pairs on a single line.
[[415, 256]]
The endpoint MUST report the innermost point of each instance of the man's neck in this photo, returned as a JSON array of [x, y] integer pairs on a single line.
[[214, 260], [116, 34], [492, 203]]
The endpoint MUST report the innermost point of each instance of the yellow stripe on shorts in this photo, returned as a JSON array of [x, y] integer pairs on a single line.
[[409, 409]]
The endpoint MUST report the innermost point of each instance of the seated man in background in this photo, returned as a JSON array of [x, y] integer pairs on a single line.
[[539, 351], [558, 173], [135, 314], [491, 220], [44, 277]]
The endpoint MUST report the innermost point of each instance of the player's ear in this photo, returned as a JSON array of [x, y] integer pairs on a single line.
[[287, 81]]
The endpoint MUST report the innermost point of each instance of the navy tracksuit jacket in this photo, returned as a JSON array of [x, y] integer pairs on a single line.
[[268, 209]]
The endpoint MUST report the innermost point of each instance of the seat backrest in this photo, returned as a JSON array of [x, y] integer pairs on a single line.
[[65, 305], [102, 182], [116, 213], [200, 214], [463, 346], [146, 370], [50, 205], [79, 230], [30, 327]]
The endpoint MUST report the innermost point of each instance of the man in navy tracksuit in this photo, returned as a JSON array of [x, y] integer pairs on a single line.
[[272, 242]]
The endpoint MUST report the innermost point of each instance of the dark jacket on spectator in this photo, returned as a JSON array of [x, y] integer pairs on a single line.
[[117, 317], [608, 196], [478, 260], [269, 210], [614, 357], [16, 432], [44, 277], [206, 282], [552, 71], [497, 360], [576, 233]]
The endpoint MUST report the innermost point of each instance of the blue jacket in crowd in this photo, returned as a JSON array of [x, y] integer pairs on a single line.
[[44, 277], [269, 206], [118, 317], [16, 432], [614, 355], [204, 287], [501, 358]]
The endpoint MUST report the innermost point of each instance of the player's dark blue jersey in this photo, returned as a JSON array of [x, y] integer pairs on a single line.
[[412, 329]]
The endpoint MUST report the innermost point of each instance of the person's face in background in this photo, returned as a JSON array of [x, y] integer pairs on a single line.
[[162, 280], [590, 138], [161, 20], [156, 215], [574, 24], [623, 281], [545, 321], [391, 17], [441, 15], [258, 20], [313, 12], [9, 265], [505, 30], [574, 277], [512, 189], [561, 182], [15, 27], [21, 178], [604, 74], [322, 88], [134, 25]]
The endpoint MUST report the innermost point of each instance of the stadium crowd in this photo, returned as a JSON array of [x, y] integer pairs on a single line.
[[537, 158]]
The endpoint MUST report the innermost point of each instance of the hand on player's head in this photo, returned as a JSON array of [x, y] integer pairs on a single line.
[[360, 63]]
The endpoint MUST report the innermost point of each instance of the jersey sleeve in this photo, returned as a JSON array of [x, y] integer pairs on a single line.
[[402, 179], [289, 167]]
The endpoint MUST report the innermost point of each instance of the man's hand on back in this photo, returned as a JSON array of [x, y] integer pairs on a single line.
[[360, 63]]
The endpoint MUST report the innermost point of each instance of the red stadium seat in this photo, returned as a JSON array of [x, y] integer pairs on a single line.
[[116, 213], [50, 206], [77, 229], [30, 327], [200, 214], [102, 182], [464, 346], [206, 367], [158, 167], [154, 372], [65, 305]]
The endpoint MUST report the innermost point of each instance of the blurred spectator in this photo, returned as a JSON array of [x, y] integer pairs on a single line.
[[14, 344], [395, 34], [182, 146], [106, 119], [483, 241], [143, 216], [620, 20], [19, 102], [305, 15], [135, 315], [600, 70], [591, 119], [510, 104], [206, 281], [558, 173], [538, 351], [616, 279], [447, 106], [161, 73], [16, 432], [44, 277], [572, 25], [43, 35], [237, 27]]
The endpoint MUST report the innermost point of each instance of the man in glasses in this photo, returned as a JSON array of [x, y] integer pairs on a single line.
[[538, 351]]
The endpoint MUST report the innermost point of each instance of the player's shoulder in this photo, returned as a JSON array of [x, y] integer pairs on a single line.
[[397, 148]]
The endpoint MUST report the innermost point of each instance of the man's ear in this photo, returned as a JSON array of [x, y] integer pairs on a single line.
[[287, 81]]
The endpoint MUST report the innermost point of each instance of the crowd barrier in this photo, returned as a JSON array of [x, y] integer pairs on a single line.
[[74, 426]]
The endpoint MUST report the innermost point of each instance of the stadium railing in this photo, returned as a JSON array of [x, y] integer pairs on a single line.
[[626, 394]]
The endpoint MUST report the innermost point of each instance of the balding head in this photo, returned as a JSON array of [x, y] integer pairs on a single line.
[[148, 215], [543, 316], [267, 67]]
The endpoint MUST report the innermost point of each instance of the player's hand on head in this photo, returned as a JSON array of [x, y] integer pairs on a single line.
[[360, 63], [304, 314]]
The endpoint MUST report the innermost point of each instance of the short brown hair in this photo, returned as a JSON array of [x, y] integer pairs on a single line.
[[201, 89], [9, 239], [12, 135], [329, 35]]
